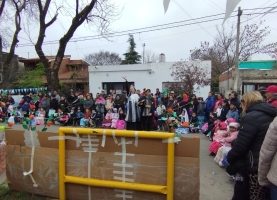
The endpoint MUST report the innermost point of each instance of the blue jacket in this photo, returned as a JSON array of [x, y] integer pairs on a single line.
[[80, 114], [25, 107], [209, 104], [233, 114]]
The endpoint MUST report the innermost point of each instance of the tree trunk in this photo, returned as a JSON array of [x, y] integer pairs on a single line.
[[52, 77], [2, 7]]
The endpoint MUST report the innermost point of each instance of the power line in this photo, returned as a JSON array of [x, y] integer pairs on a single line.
[[139, 30], [191, 17]]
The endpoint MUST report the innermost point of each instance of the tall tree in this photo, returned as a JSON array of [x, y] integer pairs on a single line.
[[222, 51], [189, 77], [14, 11], [103, 58], [94, 12], [131, 56]]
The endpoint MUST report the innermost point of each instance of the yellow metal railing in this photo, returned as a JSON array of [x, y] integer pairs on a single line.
[[63, 178]]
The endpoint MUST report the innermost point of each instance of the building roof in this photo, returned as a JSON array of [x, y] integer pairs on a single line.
[[26, 60], [258, 64], [77, 62]]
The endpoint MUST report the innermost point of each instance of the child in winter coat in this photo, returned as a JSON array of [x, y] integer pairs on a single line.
[[225, 109], [25, 109], [78, 116], [222, 151], [92, 118], [120, 125], [98, 119], [200, 112], [115, 117], [193, 123], [86, 117], [40, 118], [219, 135], [219, 109], [107, 122], [233, 112]]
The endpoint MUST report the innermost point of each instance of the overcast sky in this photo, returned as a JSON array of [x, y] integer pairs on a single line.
[[175, 43]]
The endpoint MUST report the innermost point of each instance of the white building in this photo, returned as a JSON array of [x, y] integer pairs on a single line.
[[149, 75]]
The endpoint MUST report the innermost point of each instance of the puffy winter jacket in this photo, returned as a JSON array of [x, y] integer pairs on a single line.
[[209, 104], [268, 157], [254, 126]]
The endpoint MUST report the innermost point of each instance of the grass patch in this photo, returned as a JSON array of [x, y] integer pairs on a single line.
[[6, 194]]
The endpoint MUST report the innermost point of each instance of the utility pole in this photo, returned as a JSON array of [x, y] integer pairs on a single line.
[[236, 81], [143, 46]]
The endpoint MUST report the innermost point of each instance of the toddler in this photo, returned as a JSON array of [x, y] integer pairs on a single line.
[[219, 135], [92, 118], [193, 123], [86, 117], [222, 151], [219, 109], [115, 117], [41, 116]]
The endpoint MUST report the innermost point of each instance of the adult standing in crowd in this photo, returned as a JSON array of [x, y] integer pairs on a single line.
[[257, 117], [271, 95], [209, 106], [57, 96], [109, 103], [147, 110], [88, 104], [117, 102], [234, 99], [268, 160], [104, 95], [132, 116], [123, 96], [219, 99], [70, 97], [158, 93], [54, 104], [63, 104], [194, 102]]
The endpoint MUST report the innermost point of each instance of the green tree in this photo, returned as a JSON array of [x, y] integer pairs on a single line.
[[131, 57], [33, 78]]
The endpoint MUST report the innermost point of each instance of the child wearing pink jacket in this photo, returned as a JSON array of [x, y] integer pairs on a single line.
[[222, 151]]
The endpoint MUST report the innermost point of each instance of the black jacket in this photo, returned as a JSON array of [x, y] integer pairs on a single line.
[[254, 126], [54, 104], [224, 112], [200, 109]]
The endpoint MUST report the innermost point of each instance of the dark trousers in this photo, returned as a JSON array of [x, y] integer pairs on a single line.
[[146, 122]]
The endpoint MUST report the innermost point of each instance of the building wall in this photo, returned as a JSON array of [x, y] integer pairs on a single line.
[[150, 75]]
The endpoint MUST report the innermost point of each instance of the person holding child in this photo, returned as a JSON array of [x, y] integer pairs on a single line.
[[219, 135], [257, 116], [232, 135]]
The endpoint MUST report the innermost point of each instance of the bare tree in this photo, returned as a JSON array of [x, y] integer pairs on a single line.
[[15, 8], [190, 76], [150, 56], [2, 5], [222, 51], [103, 58], [94, 12]]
